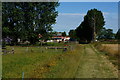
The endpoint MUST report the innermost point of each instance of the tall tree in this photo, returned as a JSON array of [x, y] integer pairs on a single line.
[[91, 26], [106, 34], [72, 34], [117, 36], [84, 31], [96, 21], [11, 20], [26, 20], [64, 34]]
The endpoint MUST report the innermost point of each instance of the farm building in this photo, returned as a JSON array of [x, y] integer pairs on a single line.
[[59, 38]]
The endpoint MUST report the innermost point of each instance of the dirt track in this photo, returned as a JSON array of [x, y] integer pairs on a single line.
[[94, 65]]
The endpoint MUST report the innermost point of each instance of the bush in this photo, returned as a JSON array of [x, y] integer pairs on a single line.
[[3, 44]]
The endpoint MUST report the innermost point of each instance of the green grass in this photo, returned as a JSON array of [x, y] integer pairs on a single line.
[[67, 64], [112, 58], [25, 61], [39, 62], [44, 44]]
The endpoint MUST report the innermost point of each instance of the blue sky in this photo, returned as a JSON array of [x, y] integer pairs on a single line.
[[71, 14]]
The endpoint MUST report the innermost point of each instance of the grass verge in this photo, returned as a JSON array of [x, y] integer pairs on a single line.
[[111, 51]]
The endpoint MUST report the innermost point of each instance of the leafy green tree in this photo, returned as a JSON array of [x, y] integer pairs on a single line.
[[106, 34], [84, 31], [64, 34], [96, 21], [102, 34], [11, 20], [25, 20], [117, 36], [72, 34], [109, 34], [91, 26]]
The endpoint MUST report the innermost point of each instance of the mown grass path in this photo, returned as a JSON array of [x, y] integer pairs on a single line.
[[94, 65]]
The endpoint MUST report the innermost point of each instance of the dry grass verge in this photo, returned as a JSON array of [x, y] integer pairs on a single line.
[[112, 49]]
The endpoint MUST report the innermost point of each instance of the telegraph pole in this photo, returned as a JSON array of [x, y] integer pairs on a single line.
[[94, 31]]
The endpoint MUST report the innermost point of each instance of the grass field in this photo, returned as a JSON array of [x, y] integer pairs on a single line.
[[79, 61], [39, 62], [111, 51]]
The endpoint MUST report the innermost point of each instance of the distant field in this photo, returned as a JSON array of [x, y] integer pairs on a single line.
[[113, 49]]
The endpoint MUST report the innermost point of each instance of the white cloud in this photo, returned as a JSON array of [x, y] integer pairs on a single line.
[[72, 14], [106, 13], [78, 14], [68, 21]]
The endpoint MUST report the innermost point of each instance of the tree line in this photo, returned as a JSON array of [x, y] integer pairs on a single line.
[[92, 28], [25, 20]]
